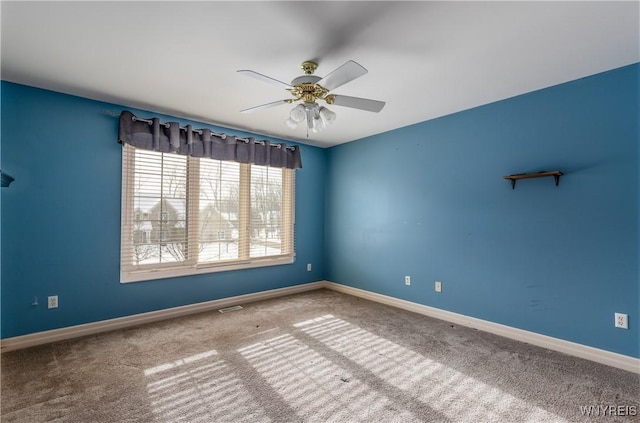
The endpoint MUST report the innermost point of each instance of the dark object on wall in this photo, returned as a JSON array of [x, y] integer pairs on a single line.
[[5, 179], [513, 178]]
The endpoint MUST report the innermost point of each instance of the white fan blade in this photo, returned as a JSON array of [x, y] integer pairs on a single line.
[[265, 78], [265, 106], [358, 103], [345, 73]]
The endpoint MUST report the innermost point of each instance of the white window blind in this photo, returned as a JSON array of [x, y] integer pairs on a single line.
[[183, 215]]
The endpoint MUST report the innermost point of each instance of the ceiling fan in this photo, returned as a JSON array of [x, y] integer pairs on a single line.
[[309, 88]]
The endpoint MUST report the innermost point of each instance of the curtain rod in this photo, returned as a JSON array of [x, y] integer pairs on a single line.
[[223, 136]]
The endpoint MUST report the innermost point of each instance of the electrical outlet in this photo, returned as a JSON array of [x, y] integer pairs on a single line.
[[52, 301], [438, 286], [622, 321], [308, 267], [407, 280]]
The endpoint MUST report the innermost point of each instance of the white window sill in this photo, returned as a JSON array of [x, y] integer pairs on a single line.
[[148, 275]]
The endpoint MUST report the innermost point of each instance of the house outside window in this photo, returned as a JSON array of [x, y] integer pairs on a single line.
[[202, 215]]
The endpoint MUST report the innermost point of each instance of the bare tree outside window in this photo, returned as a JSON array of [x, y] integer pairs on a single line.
[[266, 210]]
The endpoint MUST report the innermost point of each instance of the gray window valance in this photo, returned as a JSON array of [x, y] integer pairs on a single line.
[[171, 138]]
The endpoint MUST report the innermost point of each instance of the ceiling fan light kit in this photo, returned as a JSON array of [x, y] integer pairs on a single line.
[[318, 117], [327, 115], [298, 113], [310, 88]]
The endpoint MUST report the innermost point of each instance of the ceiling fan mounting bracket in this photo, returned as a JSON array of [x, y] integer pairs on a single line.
[[309, 67]]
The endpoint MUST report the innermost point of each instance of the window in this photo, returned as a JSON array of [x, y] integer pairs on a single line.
[[203, 215]]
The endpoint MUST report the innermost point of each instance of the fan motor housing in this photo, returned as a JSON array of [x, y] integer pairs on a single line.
[[305, 88]]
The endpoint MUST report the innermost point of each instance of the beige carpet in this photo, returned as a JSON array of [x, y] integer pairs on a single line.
[[320, 356]]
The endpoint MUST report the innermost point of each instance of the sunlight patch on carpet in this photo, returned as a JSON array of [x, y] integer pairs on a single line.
[[452, 393], [201, 387], [315, 387]]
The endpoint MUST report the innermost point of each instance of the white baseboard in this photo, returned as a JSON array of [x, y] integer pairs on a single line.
[[608, 358], [45, 337]]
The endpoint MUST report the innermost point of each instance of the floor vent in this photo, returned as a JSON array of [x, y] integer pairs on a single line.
[[228, 309]]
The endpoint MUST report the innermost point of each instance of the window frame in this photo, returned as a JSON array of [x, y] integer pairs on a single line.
[[190, 266]]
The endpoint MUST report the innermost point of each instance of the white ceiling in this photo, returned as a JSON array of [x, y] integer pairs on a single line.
[[425, 59]]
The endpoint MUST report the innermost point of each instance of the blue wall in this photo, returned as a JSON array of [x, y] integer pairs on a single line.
[[61, 219], [429, 201]]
